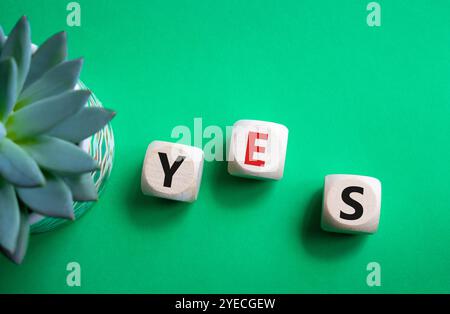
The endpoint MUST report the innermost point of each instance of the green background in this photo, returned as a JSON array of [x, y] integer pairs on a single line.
[[356, 99]]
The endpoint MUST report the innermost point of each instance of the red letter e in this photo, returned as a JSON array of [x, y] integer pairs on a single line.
[[252, 148]]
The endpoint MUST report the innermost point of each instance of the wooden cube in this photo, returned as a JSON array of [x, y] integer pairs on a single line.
[[172, 171], [351, 204], [257, 149]]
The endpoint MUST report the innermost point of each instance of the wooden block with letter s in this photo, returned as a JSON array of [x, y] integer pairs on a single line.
[[172, 171], [258, 149], [351, 204]]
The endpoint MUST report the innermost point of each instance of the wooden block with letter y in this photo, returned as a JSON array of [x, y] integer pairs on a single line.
[[258, 149], [172, 171]]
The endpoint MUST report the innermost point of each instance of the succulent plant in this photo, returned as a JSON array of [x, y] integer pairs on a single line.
[[43, 118]]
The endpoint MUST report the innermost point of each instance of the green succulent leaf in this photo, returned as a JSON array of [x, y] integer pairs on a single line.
[[9, 217], [2, 131], [86, 122], [60, 79], [2, 39], [51, 53], [82, 187], [54, 199], [17, 166], [22, 240], [43, 115], [8, 87], [18, 46], [58, 155]]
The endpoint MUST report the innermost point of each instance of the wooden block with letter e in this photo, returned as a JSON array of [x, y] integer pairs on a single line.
[[172, 171], [258, 149], [351, 204]]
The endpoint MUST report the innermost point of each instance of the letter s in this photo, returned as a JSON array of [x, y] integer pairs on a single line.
[[351, 202]]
